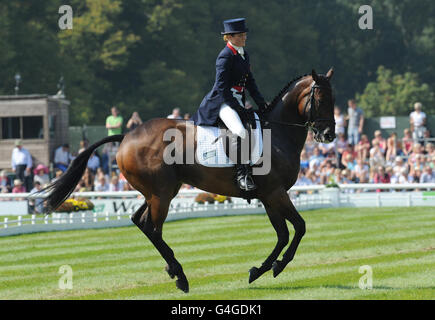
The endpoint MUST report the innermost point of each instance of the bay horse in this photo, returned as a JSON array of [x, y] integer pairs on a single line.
[[304, 103]]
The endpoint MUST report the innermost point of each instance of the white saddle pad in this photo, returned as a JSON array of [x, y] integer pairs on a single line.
[[213, 155]]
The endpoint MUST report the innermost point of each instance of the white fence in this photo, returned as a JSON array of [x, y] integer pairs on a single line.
[[113, 209]]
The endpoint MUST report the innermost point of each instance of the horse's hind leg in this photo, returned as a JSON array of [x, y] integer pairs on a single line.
[[150, 221]]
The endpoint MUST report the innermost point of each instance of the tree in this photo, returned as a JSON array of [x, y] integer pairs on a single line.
[[395, 94]]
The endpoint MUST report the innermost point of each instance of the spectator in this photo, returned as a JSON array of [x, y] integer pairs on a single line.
[[93, 162], [62, 157], [5, 181], [305, 162], [399, 178], [310, 144], [114, 122], [414, 175], [381, 176], [88, 180], [115, 184], [41, 175], [416, 150], [84, 144], [175, 114], [382, 143], [363, 147], [303, 180], [376, 156], [417, 121], [399, 164], [21, 162], [18, 186], [355, 117], [340, 122], [392, 150], [348, 155], [407, 142], [36, 205], [429, 150], [316, 159], [134, 122], [101, 184], [187, 115], [361, 171], [428, 176]]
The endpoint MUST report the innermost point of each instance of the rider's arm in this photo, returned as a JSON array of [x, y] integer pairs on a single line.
[[223, 79]]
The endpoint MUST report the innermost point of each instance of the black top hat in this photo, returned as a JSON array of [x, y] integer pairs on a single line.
[[234, 26]]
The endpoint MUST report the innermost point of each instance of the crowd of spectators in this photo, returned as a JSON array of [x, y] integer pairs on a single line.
[[356, 159]]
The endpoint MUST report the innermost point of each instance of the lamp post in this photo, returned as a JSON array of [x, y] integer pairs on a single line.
[[17, 83]]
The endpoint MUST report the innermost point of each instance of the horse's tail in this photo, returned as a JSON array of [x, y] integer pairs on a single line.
[[61, 188]]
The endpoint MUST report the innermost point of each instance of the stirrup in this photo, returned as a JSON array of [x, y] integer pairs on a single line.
[[245, 180]]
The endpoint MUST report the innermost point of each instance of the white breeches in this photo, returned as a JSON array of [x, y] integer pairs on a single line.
[[232, 120]]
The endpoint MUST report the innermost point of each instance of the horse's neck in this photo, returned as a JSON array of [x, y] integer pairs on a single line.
[[292, 137]]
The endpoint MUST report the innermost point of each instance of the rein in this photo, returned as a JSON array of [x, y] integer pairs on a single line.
[[310, 123]]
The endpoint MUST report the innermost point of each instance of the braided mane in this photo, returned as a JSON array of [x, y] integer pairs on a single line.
[[284, 90]]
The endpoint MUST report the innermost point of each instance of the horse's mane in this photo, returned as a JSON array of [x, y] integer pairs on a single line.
[[283, 90]]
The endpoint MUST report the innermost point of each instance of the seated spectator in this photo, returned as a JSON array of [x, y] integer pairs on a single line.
[[18, 186], [100, 173], [88, 181], [407, 142], [391, 148], [84, 144], [348, 155], [175, 114], [363, 147], [101, 184], [336, 177], [414, 175], [349, 163], [429, 150], [399, 178], [381, 176], [326, 170], [62, 157], [303, 180], [115, 184], [376, 155], [37, 205], [382, 143], [325, 148], [399, 164], [310, 144], [361, 171], [41, 175], [346, 176], [5, 181], [317, 158], [305, 162], [94, 163], [417, 149], [428, 176], [187, 115]]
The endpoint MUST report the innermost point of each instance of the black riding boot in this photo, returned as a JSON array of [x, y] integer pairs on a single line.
[[244, 177], [243, 170]]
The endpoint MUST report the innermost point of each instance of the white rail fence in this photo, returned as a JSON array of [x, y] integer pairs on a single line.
[[114, 209]]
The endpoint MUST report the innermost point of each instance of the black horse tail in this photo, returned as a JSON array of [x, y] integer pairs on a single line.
[[61, 188]]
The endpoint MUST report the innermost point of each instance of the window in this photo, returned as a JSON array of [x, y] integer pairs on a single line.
[[22, 127]]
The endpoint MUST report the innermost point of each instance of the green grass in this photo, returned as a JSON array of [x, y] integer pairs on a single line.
[[216, 254]]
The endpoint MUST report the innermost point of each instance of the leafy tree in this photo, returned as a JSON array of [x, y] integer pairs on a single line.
[[395, 94]]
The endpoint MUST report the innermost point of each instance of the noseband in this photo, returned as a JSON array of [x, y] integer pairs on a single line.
[[311, 117]]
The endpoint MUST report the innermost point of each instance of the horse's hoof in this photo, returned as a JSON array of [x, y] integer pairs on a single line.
[[254, 274], [277, 267], [183, 285], [169, 271]]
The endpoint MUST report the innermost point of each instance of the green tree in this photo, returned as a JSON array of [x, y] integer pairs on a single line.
[[395, 94]]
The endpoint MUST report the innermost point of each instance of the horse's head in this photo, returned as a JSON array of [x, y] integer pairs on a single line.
[[317, 107]]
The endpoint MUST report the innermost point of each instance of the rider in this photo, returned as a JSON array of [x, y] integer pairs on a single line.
[[233, 77]]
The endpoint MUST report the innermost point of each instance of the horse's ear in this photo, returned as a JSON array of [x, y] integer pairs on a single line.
[[330, 73], [314, 75]]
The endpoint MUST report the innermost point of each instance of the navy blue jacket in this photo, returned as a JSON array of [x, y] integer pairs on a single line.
[[231, 70]]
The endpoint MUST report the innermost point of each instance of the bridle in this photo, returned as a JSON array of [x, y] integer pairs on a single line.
[[311, 117]]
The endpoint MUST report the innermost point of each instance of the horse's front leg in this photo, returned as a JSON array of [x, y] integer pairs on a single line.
[[299, 225], [274, 207]]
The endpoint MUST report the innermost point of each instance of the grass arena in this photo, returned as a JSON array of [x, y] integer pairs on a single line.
[[397, 244]]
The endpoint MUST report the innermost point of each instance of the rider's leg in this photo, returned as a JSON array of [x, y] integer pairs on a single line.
[[244, 170]]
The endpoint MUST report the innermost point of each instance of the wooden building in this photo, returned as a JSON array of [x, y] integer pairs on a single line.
[[40, 121]]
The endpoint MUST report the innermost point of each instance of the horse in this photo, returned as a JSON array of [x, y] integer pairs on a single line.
[[304, 103]]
